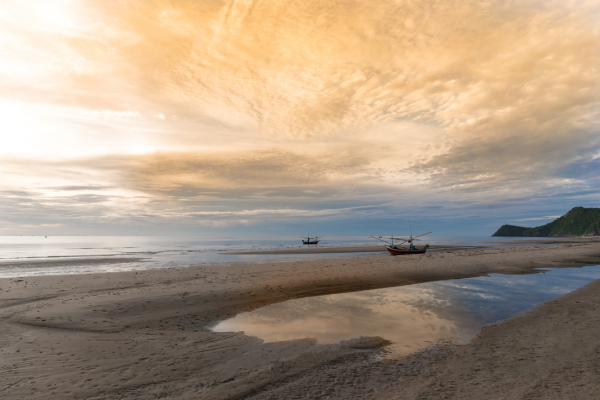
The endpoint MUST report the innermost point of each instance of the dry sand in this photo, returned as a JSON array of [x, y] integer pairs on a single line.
[[145, 334]]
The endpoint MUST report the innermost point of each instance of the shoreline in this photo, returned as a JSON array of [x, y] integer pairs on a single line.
[[78, 333], [339, 250], [381, 248], [212, 256]]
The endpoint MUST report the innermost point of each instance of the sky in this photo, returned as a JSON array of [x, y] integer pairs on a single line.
[[342, 117]]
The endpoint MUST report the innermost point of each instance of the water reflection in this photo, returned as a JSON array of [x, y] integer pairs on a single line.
[[410, 316]]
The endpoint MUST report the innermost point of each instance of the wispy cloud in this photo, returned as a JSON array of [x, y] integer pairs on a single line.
[[540, 218]]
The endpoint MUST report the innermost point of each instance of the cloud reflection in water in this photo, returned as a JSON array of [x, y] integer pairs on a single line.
[[410, 316]]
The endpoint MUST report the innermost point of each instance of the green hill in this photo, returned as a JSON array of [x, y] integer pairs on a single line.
[[577, 222]]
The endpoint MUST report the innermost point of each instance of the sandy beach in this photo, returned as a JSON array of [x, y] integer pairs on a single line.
[[337, 200], [146, 334]]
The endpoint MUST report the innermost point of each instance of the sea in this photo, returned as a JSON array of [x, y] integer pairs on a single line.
[[22, 256]]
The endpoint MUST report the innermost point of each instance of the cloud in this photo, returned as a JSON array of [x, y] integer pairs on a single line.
[[540, 218], [80, 188], [111, 113], [258, 169], [514, 87], [179, 104]]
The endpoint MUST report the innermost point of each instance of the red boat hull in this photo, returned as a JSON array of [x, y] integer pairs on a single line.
[[405, 251], [314, 242]]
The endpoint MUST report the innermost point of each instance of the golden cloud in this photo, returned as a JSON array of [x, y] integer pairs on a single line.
[[312, 68], [511, 89], [252, 169]]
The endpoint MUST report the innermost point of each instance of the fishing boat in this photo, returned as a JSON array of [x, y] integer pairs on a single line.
[[395, 249], [311, 239]]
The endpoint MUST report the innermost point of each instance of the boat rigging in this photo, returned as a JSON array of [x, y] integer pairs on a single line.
[[395, 249]]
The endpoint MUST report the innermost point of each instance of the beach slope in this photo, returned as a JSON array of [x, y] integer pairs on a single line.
[[147, 334]]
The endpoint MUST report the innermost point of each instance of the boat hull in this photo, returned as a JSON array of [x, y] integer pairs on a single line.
[[313, 242], [396, 252]]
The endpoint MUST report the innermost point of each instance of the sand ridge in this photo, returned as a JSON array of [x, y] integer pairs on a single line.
[[146, 334]]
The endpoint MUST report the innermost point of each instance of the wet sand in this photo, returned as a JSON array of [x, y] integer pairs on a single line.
[[146, 334], [316, 249], [337, 250]]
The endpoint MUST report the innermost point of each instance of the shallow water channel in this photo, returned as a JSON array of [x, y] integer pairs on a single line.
[[412, 316]]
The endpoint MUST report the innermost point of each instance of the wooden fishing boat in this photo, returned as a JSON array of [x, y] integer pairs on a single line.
[[311, 239], [395, 250], [310, 242]]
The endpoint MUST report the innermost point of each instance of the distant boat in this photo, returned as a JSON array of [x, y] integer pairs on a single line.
[[311, 240], [395, 249]]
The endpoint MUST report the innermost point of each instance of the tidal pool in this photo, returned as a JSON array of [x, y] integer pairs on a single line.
[[410, 316]]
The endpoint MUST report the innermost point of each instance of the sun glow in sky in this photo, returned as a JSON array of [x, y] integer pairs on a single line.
[[136, 116]]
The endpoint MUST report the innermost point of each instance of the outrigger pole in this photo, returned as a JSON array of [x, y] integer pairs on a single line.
[[385, 241]]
